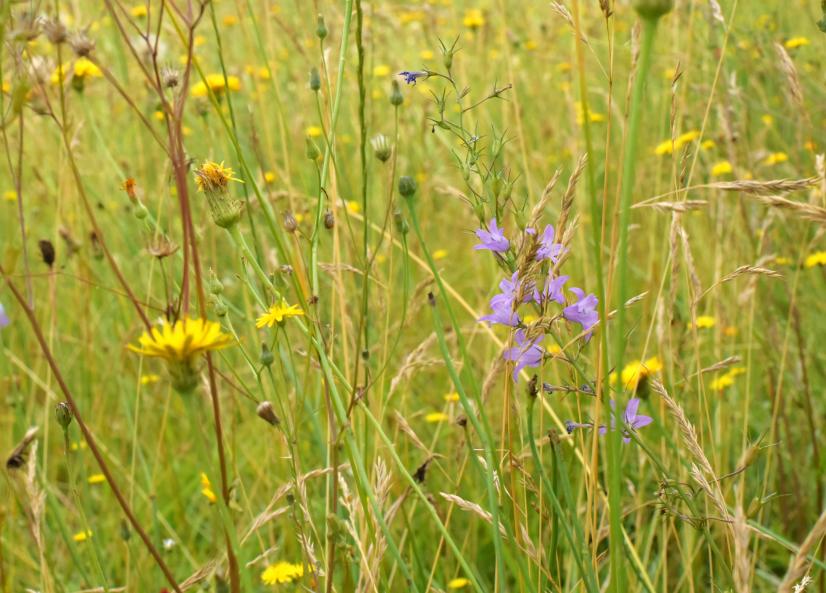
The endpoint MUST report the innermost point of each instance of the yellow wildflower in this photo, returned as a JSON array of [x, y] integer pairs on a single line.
[[796, 42], [230, 20], [215, 82], [183, 340], [727, 379], [147, 379], [83, 68], [281, 573], [451, 397], [82, 536], [96, 479], [353, 207], [434, 417], [138, 11], [278, 313], [637, 371], [212, 176], [206, 489], [179, 344], [10, 195], [721, 168], [705, 322], [730, 331], [314, 131], [426, 54], [782, 260], [381, 70], [474, 19], [768, 120], [669, 146], [818, 258], [459, 583], [269, 177], [776, 158], [708, 144], [440, 254]]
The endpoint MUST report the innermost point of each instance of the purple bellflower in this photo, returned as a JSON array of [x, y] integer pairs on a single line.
[[631, 421], [493, 238], [411, 76], [4, 319], [526, 353], [503, 304], [583, 311], [552, 290], [547, 248]]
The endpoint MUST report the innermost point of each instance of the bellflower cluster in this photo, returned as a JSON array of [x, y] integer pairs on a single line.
[[528, 352]]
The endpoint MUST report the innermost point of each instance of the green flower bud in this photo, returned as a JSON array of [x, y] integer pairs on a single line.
[[312, 151], [315, 80], [266, 357], [396, 97], [221, 308], [399, 221], [141, 212], [407, 186], [652, 9], [63, 413], [320, 27], [215, 285]]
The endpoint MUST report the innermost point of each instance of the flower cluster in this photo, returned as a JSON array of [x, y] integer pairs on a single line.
[[516, 291], [631, 421]]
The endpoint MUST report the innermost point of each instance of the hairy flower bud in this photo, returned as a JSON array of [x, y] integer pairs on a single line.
[[312, 151], [396, 97], [266, 357], [320, 27], [64, 415], [315, 80], [407, 186], [213, 179], [290, 223], [266, 413]]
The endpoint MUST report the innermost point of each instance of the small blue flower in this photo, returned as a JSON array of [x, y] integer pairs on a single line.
[[493, 238], [526, 353], [4, 319], [583, 311], [411, 76]]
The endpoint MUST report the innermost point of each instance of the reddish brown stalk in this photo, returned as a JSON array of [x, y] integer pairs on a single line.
[[87, 435]]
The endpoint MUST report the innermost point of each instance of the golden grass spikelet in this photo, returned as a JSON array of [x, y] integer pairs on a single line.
[[799, 564]]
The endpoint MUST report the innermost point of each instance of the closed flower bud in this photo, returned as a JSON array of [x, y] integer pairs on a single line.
[[56, 31], [381, 147], [401, 224], [407, 186], [396, 97], [141, 212], [266, 357], [312, 151], [290, 223], [213, 179], [220, 308], [63, 413], [47, 252], [320, 27], [215, 286], [266, 413], [329, 220], [315, 80], [652, 9]]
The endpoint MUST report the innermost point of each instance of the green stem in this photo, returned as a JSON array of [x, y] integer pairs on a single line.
[[618, 578]]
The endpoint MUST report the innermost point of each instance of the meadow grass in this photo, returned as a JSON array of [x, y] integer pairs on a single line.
[[249, 342]]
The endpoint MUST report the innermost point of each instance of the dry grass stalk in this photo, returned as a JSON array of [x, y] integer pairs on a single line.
[[683, 206], [570, 193], [762, 188], [742, 559], [405, 427], [723, 364], [472, 507], [799, 564], [789, 69], [740, 271], [537, 211]]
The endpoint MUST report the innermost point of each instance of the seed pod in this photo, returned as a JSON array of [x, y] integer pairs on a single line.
[[47, 252], [320, 27], [396, 97], [290, 223], [265, 412], [315, 80], [329, 220], [63, 413]]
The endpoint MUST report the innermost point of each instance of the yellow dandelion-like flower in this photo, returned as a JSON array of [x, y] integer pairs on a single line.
[[459, 583], [474, 19], [314, 131], [353, 207], [381, 70], [796, 42], [82, 536], [434, 417], [726, 380], [212, 176], [96, 479], [708, 144], [206, 489], [138, 11], [282, 573], [270, 177], [439, 254], [721, 168], [730, 331], [816, 259], [230, 20], [775, 158], [767, 120], [705, 322], [451, 397], [215, 83], [85, 68], [183, 340], [637, 371], [669, 146], [278, 313], [426, 54], [782, 260], [10, 195]]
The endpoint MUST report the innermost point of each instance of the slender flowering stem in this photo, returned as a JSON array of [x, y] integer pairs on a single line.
[[618, 583]]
